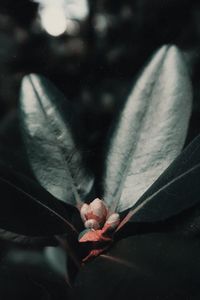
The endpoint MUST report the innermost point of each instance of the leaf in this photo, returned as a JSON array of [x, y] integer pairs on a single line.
[[53, 154], [176, 190], [10, 138], [151, 130], [30, 241], [30, 277], [27, 209], [151, 266], [57, 258]]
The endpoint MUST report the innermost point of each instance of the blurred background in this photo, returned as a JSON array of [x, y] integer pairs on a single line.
[[92, 50]]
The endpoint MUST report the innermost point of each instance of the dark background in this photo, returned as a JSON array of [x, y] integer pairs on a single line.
[[95, 68]]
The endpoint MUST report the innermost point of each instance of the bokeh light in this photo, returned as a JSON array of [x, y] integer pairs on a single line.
[[53, 20], [61, 16]]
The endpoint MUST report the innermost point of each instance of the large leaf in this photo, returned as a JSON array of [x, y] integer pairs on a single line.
[[25, 274], [27, 240], [151, 266], [176, 189], [150, 131], [52, 151], [27, 209], [57, 258]]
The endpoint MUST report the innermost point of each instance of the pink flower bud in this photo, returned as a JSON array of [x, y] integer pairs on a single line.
[[99, 210], [113, 221], [94, 216], [92, 224], [83, 212]]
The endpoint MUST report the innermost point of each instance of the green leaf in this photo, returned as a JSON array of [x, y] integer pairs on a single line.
[[176, 190], [26, 209], [150, 131], [53, 154], [57, 258], [151, 266]]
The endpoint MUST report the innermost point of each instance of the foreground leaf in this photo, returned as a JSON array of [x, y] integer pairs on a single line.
[[151, 129], [152, 266], [57, 258], [52, 151], [27, 209], [25, 274], [26, 240], [176, 190]]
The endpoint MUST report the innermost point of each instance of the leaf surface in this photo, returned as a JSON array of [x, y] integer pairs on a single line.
[[150, 131], [52, 151], [27, 209], [176, 190], [151, 266], [57, 258]]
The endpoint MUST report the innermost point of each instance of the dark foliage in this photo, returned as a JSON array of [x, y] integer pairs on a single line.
[[156, 254]]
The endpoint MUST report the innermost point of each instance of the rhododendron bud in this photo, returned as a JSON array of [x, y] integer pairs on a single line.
[[99, 210], [94, 214], [113, 221], [92, 224], [100, 227], [84, 210]]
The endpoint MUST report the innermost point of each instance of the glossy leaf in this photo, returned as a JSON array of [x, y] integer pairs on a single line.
[[52, 151], [150, 131], [151, 266], [27, 209], [176, 189]]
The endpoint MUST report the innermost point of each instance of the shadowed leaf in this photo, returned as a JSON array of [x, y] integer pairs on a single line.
[[27, 209], [152, 266], [57, 259]]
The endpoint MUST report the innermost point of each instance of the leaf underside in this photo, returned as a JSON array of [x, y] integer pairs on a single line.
[[53, 155], [150, 131]]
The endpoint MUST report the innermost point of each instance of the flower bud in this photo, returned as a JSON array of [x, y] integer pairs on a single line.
[[92, 224], [94, 214], [99, 210], [113, 221], [83, 212]]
